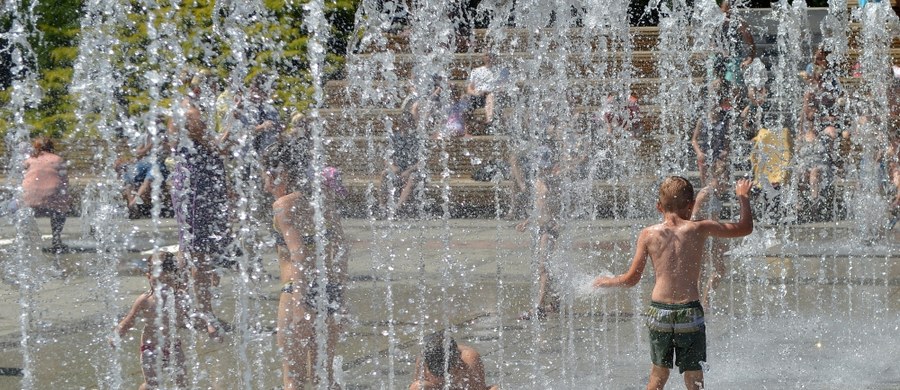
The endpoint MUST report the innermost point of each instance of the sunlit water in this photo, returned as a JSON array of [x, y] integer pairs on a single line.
[[802, 306]]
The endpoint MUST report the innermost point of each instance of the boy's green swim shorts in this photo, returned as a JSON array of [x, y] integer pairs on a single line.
[[679, 331]]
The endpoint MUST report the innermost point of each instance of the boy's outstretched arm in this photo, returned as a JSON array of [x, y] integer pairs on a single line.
[[633, 275], [742, 227]]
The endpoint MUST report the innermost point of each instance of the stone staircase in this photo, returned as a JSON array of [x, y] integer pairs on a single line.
[[348, 121]]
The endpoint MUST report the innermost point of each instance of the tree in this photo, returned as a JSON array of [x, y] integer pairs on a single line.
[[275, 42]]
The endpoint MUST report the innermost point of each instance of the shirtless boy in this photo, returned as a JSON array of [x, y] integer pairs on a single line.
[[465, 369], [675, 316]]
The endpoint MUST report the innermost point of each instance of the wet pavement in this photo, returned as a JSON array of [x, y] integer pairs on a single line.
[[817, 311]]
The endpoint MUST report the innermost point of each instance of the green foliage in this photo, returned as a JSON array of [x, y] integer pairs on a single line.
[[4, 114], [59, 27], [53, 42], [56, 80], [277, 43], [63, 54]]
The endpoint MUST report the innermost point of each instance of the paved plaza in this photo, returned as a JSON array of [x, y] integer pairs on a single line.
[[792, 315]]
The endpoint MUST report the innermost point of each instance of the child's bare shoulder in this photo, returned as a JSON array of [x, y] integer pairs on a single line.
[[652, 232], [667, 231], [654, 228], [284, 202], [286, 205], [661, 228]]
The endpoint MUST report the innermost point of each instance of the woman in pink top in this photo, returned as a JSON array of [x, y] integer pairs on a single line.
[[45, 187]]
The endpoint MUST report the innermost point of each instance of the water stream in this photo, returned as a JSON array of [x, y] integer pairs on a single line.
[[587, 106]]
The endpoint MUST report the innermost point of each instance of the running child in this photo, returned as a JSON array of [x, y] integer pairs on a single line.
[[675, 246]]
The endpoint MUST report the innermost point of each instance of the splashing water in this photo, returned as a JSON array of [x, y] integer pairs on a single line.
[[575, 78], [582, 284]]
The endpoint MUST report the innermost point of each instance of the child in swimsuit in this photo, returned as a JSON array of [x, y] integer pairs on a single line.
[[709, 204], [710, 140], [162, 310], [675, 316], [548, 208], [813, 161]]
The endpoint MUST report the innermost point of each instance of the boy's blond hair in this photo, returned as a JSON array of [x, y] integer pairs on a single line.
[[675, 193]]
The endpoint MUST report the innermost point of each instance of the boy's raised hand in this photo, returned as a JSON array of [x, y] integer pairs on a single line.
[[742, 187]]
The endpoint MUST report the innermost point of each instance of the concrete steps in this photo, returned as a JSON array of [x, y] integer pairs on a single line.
[[583, 91], [581, 65], [514, 39]]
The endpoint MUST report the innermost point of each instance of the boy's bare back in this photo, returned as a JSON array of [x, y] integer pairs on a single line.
[[675, 247]]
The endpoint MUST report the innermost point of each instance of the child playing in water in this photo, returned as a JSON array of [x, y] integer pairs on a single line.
[[711, 139], [708, 205], [161, 308], [464, 366], [675, 316], [547, 209]]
